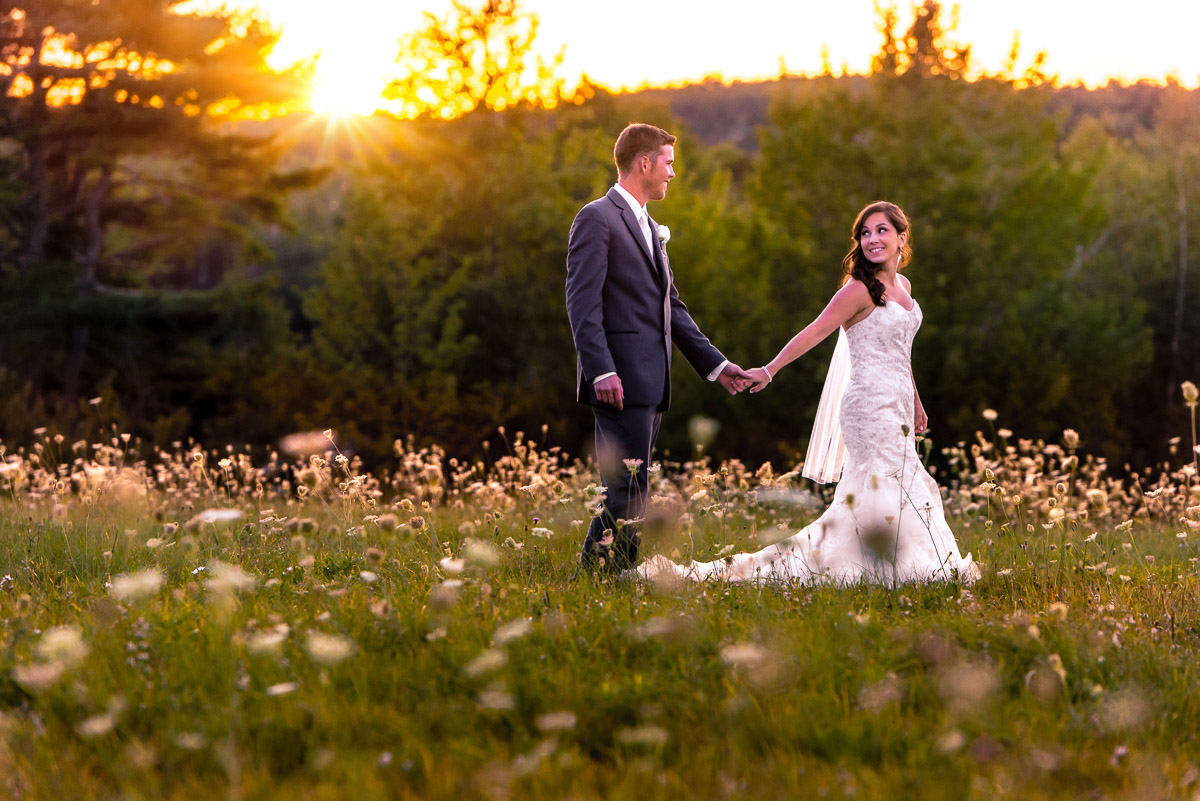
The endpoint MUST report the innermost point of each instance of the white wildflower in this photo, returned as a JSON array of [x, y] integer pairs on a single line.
[[556, 721], [642, 735], [513, 630], [62, 644], [137, 586], [269, 642], [496, 700], [219, 516], [96, 726], [38, 676], [226, 578], [327, 649], [489, 661]]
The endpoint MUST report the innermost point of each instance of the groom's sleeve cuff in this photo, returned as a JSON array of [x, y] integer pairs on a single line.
[[601, 377], [715, 373]]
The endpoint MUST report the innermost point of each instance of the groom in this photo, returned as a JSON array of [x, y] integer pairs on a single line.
[[625, 316]]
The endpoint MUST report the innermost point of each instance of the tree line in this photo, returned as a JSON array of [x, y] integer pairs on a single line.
[[200, 274]]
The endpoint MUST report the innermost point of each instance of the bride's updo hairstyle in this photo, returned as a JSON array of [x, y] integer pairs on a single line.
[[857, 265]]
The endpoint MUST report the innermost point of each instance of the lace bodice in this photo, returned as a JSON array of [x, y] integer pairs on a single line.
[[884, 337], [878, 405]]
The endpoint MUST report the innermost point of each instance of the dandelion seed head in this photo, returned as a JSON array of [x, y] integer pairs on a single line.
[[225, 578], [702, 430], [1191, 396], [480, 553], [951, 741], [191, 741], [38, 676], [269, 642], [496, 700], [561, 720], [1124, 710], [487, 662], [967, 685], [209, 516], [134, 587], [877, 696], [327, 650], [62, 644], [647, 736], [513, 630], [96, 726]]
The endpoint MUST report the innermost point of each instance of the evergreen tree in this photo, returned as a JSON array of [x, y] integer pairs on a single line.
[[115, 108]]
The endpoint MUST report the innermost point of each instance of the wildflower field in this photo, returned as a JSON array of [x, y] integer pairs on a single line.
[[192, 624]]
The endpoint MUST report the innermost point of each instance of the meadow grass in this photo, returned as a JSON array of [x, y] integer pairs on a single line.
[[190, 624]]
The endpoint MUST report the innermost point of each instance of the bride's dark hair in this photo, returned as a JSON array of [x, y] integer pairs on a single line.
[[856, 264]]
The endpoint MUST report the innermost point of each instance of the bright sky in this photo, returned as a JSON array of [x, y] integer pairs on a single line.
[[629, 43]]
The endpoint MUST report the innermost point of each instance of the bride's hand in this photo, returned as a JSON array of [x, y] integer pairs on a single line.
[[921, 420], [760, 378]]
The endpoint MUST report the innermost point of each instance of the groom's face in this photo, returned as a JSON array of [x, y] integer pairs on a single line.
[[659, 172]]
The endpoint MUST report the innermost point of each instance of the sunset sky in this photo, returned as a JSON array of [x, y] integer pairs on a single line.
[[630, 43]]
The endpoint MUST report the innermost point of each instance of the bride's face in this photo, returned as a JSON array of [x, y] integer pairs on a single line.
[[880, 241]]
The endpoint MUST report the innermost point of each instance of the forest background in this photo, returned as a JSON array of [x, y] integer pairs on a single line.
[[182, 259]]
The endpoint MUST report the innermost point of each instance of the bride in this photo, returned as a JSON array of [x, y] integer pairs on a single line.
[[886, 523]]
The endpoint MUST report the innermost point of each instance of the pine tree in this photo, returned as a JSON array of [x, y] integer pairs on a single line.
[[119, 110]]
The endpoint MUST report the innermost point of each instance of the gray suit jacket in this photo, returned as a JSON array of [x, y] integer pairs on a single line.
[[625, 313]]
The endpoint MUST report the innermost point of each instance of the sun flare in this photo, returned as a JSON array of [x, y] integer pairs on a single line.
[[340, 89]]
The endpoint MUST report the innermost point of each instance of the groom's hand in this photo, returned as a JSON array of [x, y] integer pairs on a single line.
[[610, 391], [734, 378]]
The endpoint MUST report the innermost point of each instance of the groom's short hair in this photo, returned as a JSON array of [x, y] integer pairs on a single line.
[[637, 140]]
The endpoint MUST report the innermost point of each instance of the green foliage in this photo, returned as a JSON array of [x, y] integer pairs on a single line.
[[1054, 229], [163, 365]]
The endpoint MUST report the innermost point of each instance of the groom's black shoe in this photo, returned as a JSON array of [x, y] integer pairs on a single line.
[[610, 547]]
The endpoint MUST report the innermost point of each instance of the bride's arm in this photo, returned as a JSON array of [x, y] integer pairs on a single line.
[[845, 304], [920, 419]]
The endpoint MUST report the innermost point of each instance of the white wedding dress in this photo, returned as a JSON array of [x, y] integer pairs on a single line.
[[885, 524]]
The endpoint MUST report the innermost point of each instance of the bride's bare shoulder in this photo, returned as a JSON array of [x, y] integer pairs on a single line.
[[854, 291]]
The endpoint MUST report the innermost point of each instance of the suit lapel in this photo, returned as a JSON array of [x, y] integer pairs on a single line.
[[635, 230]]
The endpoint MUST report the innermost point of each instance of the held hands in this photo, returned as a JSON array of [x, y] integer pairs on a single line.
[[759, 378], [734, 378]]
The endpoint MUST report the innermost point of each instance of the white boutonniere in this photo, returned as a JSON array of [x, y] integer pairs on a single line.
[[664, 234]]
